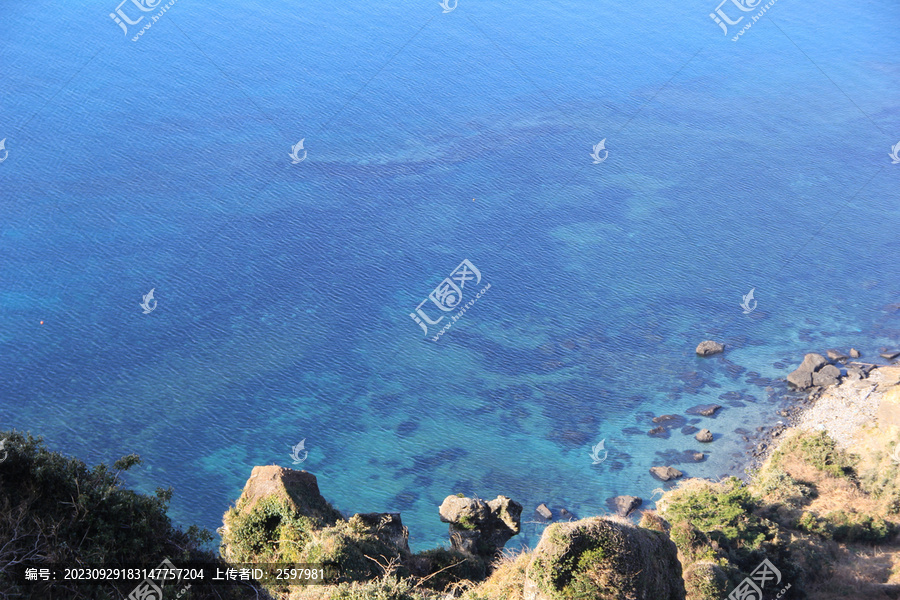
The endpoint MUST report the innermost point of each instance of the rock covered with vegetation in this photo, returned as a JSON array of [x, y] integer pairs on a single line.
[[603, 558]]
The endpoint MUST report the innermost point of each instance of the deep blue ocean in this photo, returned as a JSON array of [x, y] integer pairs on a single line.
[[283, 291]]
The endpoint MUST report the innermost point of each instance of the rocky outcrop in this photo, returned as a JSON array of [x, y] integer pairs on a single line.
[[709, 347], [624, 505], [478, 527], [603, 558], [802, 377], [276, 504], [854, 353], [299, 490], [704, 435], [665, 473]]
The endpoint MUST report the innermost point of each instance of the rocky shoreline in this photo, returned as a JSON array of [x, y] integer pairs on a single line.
[[841, 401]]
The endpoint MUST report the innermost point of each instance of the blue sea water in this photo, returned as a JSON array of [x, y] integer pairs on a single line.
[[284, 290]]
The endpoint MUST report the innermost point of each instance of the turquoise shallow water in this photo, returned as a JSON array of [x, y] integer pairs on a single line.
[[284, 291]]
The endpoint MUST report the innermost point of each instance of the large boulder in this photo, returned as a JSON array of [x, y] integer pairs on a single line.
[[478, 527], [709, 347], [802, 377], [603, 558], [827, 375], [704, 435], [624, 505]]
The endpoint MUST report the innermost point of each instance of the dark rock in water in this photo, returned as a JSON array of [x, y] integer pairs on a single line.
[[633, 431], [736, 404], [564, 514], [670, 421], [730, 396], [405, 499], [836, 356], [386, 526], [479, 527], [827, 375], [802, 377], [779, 365], [665, 473], [689, 429], [706, 410], [854, 353], [741, 431], [890, 355], [734, 371], [624, 505], [543, 511], [709, 347], [406, 428], [698, 456], [660, 432], [705, 436]]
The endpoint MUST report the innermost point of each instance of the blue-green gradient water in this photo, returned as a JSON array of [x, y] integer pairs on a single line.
[[284, 290]]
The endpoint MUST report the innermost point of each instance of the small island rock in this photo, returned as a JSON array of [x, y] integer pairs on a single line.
[[665, 473], [709, 347]]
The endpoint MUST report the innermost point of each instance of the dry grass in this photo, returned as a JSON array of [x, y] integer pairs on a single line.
[[508, 579]]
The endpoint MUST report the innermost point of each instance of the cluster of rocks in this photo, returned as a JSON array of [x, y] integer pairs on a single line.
[[816, 371], [666, 422]]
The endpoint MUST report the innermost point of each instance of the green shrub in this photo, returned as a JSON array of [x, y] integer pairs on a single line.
[[722, 511], [271, 532], [856, 527], [817, 450], [56, 510]]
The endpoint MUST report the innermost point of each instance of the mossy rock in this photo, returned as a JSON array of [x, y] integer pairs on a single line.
[[603, 558], [275, 516], [705, 580], [350, 553], [272, 531]]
